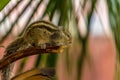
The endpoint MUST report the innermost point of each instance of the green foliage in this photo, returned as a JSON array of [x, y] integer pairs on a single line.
[[3, 3], [114, 17]]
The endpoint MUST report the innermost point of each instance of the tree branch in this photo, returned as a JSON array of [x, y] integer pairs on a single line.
[[28, 52]]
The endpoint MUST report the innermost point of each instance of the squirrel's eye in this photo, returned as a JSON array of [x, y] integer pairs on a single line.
[[55, 35]]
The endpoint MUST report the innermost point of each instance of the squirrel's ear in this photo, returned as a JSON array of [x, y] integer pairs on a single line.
[[55, 35]]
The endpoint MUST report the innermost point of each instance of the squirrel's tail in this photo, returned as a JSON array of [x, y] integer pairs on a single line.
[[7, 72]]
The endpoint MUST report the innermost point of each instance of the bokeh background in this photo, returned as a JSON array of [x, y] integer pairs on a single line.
[[93, 24]]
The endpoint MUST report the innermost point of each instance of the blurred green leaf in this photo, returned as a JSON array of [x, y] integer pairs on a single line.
[[114, 18], [51, 60], [3, 3]]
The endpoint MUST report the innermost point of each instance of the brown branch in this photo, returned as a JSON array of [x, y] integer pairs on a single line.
[[28, 52], [41, 73]]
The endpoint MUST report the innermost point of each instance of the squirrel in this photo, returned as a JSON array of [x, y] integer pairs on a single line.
[[39, 33]]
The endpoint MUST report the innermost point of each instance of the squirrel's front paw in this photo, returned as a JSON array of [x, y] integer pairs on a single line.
[[43, 46]]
